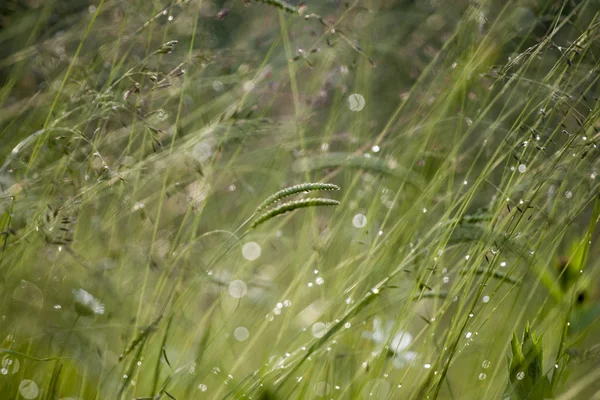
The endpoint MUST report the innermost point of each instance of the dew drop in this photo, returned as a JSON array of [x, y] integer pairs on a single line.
[[503, 264], [28, 293], [520, 375], [29, 389], [238, 289], [486, 299], [485, 364], [202, 387], [522, 168], [241, 333], [217, 86], [375, 149], [359, 220], [319, 281], [318, 329], [356, 102], [251, 251], [568, 194], [468, 335], [482, 376]]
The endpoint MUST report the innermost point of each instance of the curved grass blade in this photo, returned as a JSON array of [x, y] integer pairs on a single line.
[[351, 160]]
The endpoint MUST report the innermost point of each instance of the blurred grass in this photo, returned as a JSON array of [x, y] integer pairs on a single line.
[[137, 138]]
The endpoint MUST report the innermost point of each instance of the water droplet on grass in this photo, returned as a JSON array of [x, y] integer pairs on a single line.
[[238, 289], [241, 333], [319, 281], [482, 376], [29, 389], [520, 375], [319, 329], [485, 364], [29, 293], [251, 251], [522, 168], [359, 220], [356, 102], [202, 387], [217, 86]]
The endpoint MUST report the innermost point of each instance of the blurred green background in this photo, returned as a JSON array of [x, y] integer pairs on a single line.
[[137, 139]]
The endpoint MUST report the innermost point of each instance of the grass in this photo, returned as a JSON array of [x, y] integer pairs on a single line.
[[163, 170]]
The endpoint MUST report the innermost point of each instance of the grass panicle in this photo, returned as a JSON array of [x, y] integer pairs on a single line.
[[292, 190], [291, 206]]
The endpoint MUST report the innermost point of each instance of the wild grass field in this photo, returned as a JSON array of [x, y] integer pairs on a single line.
[[259, 199]]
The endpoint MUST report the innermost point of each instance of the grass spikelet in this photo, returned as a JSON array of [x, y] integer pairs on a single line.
[[291, 206], [143, 335], [292, 190]]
